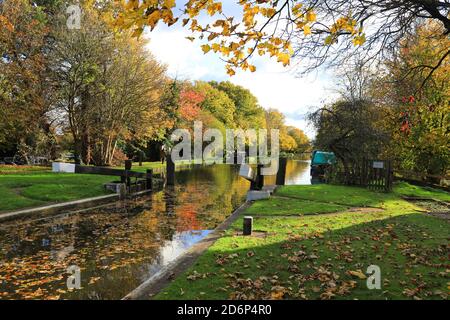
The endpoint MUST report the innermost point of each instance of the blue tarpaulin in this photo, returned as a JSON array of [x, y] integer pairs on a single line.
[[323, 158]]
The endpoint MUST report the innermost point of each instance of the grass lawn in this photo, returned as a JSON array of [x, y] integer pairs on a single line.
[[407, 189], [24, 187], [30, 186], [313, 256]]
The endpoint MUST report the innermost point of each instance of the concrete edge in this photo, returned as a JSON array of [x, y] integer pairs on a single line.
[[58, 207], [161, 279]]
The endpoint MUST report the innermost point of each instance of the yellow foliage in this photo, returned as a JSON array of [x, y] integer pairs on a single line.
[[206, 48], [235, 40], [306, 30], [284, 58]]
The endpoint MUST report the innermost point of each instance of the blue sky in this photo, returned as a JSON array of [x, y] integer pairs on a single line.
[[274, 85]]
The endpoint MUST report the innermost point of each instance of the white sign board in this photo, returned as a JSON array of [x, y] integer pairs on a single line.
[[378, 164], [63, 167]]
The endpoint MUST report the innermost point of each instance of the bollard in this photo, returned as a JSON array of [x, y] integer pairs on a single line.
[[248, 226]]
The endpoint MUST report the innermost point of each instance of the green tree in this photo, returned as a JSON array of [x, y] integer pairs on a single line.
[[217, 103], [348, 128], [248, 114]]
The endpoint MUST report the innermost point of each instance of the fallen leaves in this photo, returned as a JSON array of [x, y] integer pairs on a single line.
[[195, 276], [358, 274]]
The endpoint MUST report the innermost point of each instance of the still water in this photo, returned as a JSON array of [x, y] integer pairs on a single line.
[[119, 246]]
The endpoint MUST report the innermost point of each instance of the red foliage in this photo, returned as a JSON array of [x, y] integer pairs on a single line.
[[406, 114], [190, 104]]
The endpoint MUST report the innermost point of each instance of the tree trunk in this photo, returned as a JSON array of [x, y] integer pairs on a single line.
[[86, 155]]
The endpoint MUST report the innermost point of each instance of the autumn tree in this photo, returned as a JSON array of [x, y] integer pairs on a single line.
[[275, 120], [417, 116], [190, 104], [108, 87], [301, 139], [23, 103], [217, 102]]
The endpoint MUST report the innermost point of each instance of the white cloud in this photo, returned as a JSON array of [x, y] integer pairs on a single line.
[[184, 58], [273, 85]]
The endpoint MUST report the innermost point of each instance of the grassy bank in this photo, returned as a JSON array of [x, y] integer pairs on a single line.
[[27, 190], [316, 242], [30, 186]]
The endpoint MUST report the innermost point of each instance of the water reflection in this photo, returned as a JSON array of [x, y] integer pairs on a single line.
[[120, 246], [297, 173]]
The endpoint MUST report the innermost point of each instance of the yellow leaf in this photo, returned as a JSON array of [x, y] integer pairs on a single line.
[[311, 16], [306, 30], [215, 47], [328, 40], [230, 71], [357, 273], [284, 58], [206, 48]]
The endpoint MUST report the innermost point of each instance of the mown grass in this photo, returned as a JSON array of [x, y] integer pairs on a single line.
[[30, 186], [290, 206], [324, 256], [406, 189], [20, 191]]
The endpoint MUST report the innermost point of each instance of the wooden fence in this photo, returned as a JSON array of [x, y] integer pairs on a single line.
[[373, 174], [377, 175]]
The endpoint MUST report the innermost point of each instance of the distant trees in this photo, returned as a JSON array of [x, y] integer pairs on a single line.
[[302, 141], [292, 140], [224, 105], [248, 113], [217, 102]]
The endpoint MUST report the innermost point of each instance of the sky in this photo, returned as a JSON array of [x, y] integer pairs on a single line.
[[274, 85]]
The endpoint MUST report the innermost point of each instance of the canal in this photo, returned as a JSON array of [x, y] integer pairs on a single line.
[[119, 246]]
